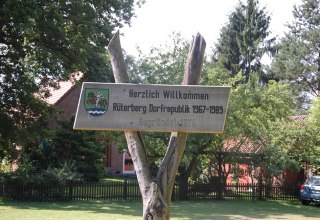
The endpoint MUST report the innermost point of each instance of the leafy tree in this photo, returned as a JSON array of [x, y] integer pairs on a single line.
[[67, 152], [254, 110], [298, 57], [77, 149], [284, 142], [314, 127], [44, 41], [243, 40], [164, 64], [297, 142]]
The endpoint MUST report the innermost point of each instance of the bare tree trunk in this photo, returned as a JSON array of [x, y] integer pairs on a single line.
[[134, 139], [156, 193]]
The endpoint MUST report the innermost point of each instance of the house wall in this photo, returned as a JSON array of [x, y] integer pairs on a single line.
[[69, 102], [243, 176], [292, 178], [116, 160], [287, 178]]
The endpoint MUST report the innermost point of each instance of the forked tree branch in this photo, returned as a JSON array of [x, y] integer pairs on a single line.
[[170, 163], [156, 194], [134, 139]]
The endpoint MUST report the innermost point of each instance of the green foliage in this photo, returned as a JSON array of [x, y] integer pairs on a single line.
[[68, 156], [78, 148], [294, 142], [297, 60], [297, 144], [314, 118], [163, 65], [253, 111], [53, 176], [42, 42], [253, 107], [314, 127], [243, 40], [215, 74]]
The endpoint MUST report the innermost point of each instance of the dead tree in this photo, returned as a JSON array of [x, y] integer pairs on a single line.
[[156, 193]]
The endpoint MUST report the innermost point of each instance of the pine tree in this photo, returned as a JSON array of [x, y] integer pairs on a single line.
[[243, 41], [298, 58]]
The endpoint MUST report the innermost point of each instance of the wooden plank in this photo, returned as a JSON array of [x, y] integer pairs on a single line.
[[109, 106]]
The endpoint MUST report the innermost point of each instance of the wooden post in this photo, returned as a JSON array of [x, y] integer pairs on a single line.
[[70, 194], [125, 189], [134, 141], [156, 193]]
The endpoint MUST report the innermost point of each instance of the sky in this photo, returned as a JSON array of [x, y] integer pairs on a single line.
[[156, 20]]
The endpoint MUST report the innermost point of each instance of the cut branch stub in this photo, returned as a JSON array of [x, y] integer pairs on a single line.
[[170, 164], [195, 61], [134, 139], [119, 67]]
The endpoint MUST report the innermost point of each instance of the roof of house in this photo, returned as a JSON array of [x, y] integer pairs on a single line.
[[244, 145], [64, 88], [298, 117]]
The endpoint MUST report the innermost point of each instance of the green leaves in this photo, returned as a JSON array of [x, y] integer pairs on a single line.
[[43, 42], [163, 65], [79, 149], [243, 41], [299, 51], [253, 107]]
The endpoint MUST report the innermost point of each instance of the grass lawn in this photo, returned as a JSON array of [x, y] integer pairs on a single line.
[[131, 210]]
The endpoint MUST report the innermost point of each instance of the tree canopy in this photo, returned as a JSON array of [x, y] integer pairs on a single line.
[[43, 42], [253, 109], [244, 40], [298, 58]]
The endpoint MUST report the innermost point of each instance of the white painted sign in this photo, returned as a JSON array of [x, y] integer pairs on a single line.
[[109, 106]]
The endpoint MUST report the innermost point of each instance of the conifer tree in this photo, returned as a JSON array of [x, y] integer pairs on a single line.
[[298, 58], [243, 40]]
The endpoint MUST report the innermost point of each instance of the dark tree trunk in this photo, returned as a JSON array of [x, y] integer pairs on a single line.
[[219, 158], [183, 185]]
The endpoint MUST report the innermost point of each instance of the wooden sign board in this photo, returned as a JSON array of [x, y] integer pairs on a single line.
[[194, 109]]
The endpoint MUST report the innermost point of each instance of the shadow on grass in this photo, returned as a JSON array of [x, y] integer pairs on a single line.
[[243, 209], [130, 208], [204, 209]]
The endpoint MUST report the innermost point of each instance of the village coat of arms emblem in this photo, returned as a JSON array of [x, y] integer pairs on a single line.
[[96, 101]]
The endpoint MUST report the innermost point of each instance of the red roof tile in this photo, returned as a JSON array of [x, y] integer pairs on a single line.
[[243, 145], [298, 117], [64, 87]]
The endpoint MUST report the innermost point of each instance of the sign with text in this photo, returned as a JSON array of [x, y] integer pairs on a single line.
[[109, 106]]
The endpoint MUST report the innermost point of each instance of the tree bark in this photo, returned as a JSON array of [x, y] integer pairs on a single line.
[[134, 139], [156, 193]]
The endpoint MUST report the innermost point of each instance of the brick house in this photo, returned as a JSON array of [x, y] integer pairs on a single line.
[[245, 150], [66, 99]]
